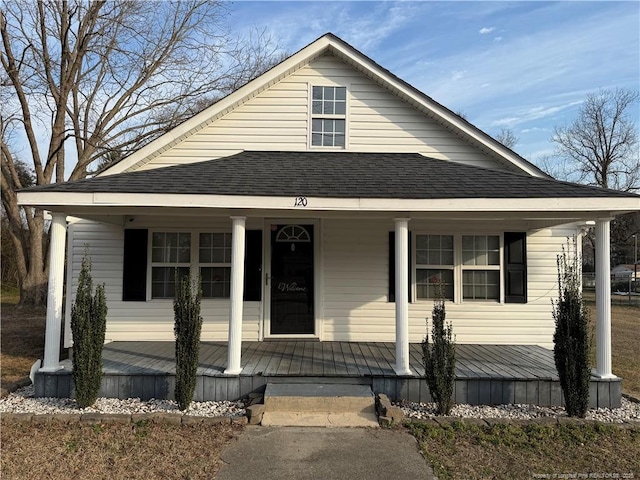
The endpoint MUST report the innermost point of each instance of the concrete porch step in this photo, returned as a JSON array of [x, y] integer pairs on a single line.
[[290, 404]]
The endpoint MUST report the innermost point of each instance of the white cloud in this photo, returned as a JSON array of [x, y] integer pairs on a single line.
[[533, 113], [533, 130], [485, 30], [497, 39], [458, 75]]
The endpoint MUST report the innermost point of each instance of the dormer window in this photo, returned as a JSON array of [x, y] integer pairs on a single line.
[[328, 116]]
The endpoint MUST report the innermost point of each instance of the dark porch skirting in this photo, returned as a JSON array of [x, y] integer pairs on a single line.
[[485, 374]]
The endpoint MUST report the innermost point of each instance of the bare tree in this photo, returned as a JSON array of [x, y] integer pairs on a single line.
[[88, 80], [507, 137], [601, 144], [600, 147]]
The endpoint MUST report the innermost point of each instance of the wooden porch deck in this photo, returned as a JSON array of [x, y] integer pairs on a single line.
[[485, 374]]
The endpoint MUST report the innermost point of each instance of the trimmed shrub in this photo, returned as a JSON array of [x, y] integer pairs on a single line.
[[88, 325], [187, 329], [439, 358], [571, 337]]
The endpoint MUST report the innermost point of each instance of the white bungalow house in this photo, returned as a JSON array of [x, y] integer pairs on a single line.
[[324, 200]]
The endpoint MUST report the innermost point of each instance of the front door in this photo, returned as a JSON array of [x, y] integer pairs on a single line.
[[292, 280]]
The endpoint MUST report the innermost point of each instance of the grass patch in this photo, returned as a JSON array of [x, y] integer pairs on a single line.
[[625, 338], [133, 451], [21, 341], [10, 295], [528, 451]]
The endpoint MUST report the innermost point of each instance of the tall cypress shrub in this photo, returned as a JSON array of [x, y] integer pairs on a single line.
[[571, 337], [88, 325], [439, 358], [187, 329]]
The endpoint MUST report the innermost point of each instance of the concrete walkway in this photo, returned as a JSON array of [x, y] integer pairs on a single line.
[[301, 453]]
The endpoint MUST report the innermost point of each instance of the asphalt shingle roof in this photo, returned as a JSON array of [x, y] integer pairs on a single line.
[[332, 174]]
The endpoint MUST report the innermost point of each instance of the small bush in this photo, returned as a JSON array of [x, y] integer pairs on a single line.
[[571, 337], [187, 329], [439, 358], [88, 325]]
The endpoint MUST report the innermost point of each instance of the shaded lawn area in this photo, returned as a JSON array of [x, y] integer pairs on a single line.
[[134, 451], [462, 451], [21, 340]]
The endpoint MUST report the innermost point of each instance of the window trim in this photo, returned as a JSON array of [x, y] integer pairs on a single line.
[[194, 264], [421, 266], [199, 265], [151, 264], [323, 116], [458, 268], [483, 268]]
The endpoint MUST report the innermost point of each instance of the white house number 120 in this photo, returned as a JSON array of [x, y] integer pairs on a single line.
[[300, 202]]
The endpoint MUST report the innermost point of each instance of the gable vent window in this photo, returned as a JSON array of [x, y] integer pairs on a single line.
[[328, 116]]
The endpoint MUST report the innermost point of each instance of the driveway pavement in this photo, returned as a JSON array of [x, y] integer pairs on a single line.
[[301, 453]]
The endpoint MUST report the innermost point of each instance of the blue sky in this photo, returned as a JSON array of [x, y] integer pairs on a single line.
[[522, 65]]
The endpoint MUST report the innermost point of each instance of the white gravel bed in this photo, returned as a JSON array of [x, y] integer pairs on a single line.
[[23, 401], [629, 411]]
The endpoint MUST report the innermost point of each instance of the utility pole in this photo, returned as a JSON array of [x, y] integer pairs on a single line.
[[635, 267]]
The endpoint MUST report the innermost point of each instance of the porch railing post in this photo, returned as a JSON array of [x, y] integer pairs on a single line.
[[603, 299], [402, 296], [57, 241], [236, 295]]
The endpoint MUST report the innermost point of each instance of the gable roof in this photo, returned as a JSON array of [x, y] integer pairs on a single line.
[[333, 174], [333, 45]]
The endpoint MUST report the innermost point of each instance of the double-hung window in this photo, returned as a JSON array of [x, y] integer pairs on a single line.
[[458, 267], [215, 264], [328, 116], [169, 251], [481, 267], [434, 266]]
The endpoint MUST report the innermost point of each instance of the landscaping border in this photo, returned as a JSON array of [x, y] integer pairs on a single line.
[[94, 418]]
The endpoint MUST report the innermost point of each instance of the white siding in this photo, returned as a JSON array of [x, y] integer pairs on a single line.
[[151, 320], [356, 285], [277, 119]]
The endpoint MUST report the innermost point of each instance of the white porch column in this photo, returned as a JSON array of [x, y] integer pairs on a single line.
[[236, 294], [57, 240], [603, 300], [402, 296]]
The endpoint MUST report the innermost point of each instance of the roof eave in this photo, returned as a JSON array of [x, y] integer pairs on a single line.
[[602, 206]]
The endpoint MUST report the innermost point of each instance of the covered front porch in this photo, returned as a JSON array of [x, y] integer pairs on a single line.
[[376, 230], [485, 374]]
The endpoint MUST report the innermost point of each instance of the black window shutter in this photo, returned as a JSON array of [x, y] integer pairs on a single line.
[[515, 272], [392, 267], [134, 271], [253, 266]]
